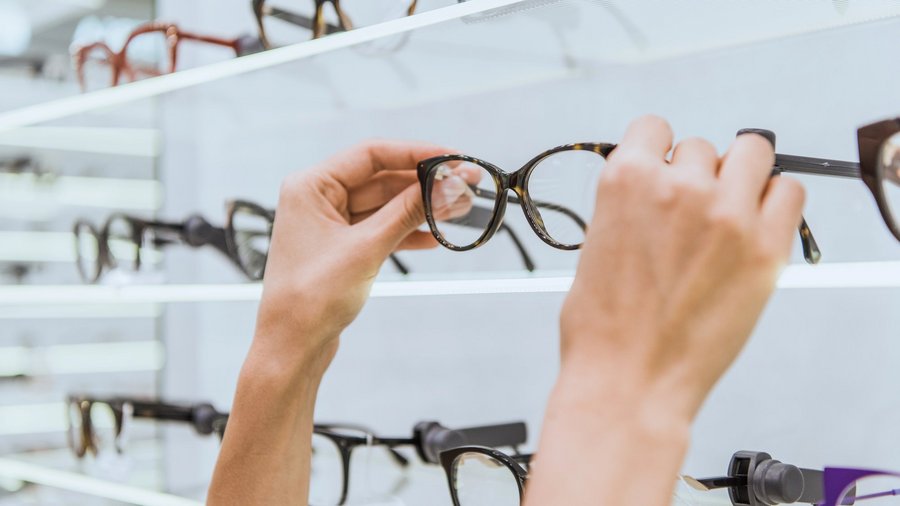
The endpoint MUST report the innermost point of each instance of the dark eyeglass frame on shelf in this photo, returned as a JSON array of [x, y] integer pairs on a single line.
[[871, 140], [517, 464], [194, 231], [756, 479], [119, 63], [233, 245], [430, 440], [316, 24], [203, 417]]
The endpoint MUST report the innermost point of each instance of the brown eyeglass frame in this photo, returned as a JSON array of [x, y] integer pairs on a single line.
[[316, 24], [118, 61], [504, 182], [518, 182]]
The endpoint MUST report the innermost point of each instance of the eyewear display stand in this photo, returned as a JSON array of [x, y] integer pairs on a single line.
[[607, 32], [489, 46]]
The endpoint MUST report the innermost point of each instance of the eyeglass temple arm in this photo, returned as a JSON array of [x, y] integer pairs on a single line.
[[816, 166], [399, 264], [390, 443], [798, 164], [201, 416], [488, 194], [300, 20], [480, 217]]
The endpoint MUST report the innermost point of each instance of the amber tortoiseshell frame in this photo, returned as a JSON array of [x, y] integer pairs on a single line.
[[316, 24], [118, 61], [504, 181]]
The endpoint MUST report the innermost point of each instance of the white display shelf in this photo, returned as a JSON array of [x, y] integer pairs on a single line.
[[75, 482], [485, 44], [837, 275], [136, 480]]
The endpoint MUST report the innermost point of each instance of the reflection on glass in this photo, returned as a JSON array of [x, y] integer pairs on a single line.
[[461, 217], [562, 187]]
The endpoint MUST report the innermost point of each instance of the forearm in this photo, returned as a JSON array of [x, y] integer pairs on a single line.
[[607, 440], [266, 451]]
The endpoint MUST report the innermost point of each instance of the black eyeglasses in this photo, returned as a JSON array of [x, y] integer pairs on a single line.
[[756, 479], [120, 242], [465, 198], [481, 476], [248, 233], [97, 425], [340, 449], [278, 20]]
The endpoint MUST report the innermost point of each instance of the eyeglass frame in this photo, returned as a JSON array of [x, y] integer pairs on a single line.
[[503, 183], [516, 464], [194, 231], [203, 417], [506, 181], [316, 24], [118, 61], [429, 439]]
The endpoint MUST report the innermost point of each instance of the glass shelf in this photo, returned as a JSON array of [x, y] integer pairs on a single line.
[[836, 275], [481, 45]]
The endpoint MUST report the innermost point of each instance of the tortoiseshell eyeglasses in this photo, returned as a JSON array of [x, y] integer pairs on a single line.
[[150, 50], [278, 20]]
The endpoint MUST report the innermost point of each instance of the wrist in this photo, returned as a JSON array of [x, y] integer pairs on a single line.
[[618, 393], [289, 360]]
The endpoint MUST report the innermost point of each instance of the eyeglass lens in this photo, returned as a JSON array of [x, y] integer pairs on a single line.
[[878, 490], [889, 168], [461, 213], [251, 238], [481, 480], [373, 473], [87, 252], [561, 185], [147, 55]]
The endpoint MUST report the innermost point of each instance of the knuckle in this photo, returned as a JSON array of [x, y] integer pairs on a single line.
[[727, 223]]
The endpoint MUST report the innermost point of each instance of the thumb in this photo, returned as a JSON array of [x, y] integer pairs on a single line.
[[401, 216]]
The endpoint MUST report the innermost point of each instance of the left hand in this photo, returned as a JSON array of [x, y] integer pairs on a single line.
[[334, 226]]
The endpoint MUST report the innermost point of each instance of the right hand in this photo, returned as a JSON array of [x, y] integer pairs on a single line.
[[679, 262]]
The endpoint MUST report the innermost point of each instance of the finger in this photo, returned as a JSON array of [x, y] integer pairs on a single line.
[[647, 135], [696, 154], [418, 240], [746, 170], [357, 165], [390, 224], [379, 190], [781, 209]]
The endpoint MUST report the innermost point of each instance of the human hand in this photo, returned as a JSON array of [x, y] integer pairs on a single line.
[[677, 266], [334, 226]]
